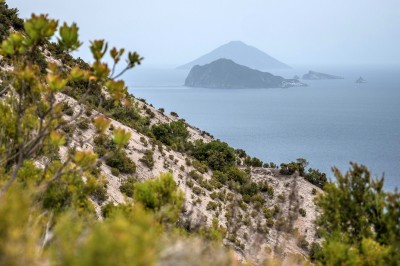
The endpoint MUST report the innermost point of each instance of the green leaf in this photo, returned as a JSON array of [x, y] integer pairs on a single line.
[[57, 138], [121, 137], [56, 83], [117, 89], [98, 48], [12, 45], [69, 37], [101, 123], [40, 27], [134, 59], [116, 54], [84, 158], [100, 70]]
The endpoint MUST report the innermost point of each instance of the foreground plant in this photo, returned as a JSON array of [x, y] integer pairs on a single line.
[[31, 110]]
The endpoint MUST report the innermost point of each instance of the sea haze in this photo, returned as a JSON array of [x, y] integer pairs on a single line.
[[330, 122]]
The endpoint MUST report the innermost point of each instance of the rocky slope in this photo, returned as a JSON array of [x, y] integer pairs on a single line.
[[224, 73], [255, 233]]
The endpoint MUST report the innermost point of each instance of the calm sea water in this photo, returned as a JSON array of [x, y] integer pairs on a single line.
[[330, 122]]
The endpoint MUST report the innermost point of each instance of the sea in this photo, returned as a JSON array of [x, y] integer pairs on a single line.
[[330, 122]]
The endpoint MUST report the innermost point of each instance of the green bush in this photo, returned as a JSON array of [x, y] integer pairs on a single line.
[[249, 189], [255, 162], [115, 171], [195, 175], [127, 186], [211, 205], [148, 159], [83, 124], [303, 243], [201, 167], [218, 155], [160, 195], [302, 212], [119, 160], [315, 177], [174, 133], [198, 191]]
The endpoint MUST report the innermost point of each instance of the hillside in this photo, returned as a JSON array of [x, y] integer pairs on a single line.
[[240, 53], [256, 236], [91, 175], [224, 73], [258, 212]]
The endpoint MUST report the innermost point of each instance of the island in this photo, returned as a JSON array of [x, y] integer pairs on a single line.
[[361, 80], [313, 75], [240, 53], [224, 73]]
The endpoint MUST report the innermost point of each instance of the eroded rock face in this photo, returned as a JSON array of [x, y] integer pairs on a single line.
[[312, 75], [224, 73]]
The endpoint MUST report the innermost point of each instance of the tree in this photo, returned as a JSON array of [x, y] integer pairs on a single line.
[[218, 155], [31, 109], [358, 217]]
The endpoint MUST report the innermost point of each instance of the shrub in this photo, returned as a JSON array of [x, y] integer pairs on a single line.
[[218, 155], [190, 183], [127, 186], [315, 177], [315, 251], [235, 174], [148, 159], [88, 112], [281, 198], [83, 124], [174, 133], [201, 167], [115, 171], [249, 189], [99, 192], [255, 162], [195, 175], [198, 191], [302, 212], [287, 169], [214, 195], [119, 160], [264, 187], [67, 109], [212, 205], [160, 195], [303, 243]]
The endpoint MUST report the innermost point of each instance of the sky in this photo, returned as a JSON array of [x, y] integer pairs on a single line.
[[296, 32]]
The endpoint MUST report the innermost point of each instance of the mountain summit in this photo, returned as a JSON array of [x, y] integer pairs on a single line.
[[240, 53]]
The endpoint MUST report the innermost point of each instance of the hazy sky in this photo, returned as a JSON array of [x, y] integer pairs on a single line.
[[173, 32]]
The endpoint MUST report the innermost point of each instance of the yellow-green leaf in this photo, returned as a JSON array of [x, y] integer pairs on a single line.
[[121, 137], [101, 123]]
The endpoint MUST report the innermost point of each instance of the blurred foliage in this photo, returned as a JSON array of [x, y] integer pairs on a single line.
[[360, 222]]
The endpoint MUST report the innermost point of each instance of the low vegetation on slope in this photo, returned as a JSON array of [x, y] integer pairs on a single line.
[[70, 133]]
